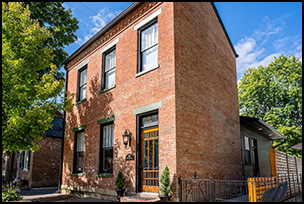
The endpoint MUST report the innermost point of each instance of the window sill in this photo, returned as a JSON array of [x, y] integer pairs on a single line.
[[105, 175], [81, 101], [105, 90], [77, 174], [146, 71]]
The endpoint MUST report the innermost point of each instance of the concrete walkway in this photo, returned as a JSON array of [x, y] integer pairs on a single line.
[[52, 195]]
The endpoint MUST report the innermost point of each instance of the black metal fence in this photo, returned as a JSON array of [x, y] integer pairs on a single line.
[[234, 189]]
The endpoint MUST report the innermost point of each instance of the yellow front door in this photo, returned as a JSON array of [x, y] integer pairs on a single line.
[[149, 160]]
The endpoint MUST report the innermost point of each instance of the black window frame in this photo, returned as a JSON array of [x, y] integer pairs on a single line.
[[85, 67], [140, 30], [103, 77], [247, 153], [76, 155], [101, 152]]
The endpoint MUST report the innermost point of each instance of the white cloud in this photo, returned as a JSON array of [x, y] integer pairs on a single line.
[[265, 43], [103, 17]]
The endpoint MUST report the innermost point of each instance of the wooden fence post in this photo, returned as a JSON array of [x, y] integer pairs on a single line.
[[289, 184], [273, 165]]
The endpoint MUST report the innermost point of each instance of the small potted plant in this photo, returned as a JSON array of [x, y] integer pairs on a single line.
[[165, 187], [120, 184]]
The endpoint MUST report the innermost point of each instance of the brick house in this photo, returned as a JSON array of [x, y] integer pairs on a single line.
[[163, 73], [40, 168]]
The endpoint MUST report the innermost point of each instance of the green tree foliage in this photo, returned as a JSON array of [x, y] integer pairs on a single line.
[[29, 101], [165, 187], [274, 94], [61, 25]]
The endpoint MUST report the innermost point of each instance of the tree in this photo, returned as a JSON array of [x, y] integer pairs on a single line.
[[165, 187], [29, 101], [61, 25], [274, 94]]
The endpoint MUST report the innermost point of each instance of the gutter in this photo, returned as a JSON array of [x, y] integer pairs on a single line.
[[224, 29], [284, 141]]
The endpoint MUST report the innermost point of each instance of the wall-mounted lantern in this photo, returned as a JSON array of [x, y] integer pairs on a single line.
[[127, 137]]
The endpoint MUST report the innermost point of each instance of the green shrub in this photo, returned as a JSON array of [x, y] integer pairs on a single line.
[[165, 187], [9, 194], [120, 180]]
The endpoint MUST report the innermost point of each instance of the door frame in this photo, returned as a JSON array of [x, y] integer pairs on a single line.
[[138, 146]]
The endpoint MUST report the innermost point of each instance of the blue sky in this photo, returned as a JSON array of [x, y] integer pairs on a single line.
[[259, 31]]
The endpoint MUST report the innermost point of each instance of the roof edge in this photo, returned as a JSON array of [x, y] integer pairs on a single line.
[[224, 29], [103, 30]]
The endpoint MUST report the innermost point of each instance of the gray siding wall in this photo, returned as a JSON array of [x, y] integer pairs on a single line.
[[263, 145]]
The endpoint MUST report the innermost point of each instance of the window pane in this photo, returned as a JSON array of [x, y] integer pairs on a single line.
[[80, 142], [79, 161], [150, 119], [83, 77], [150, 58], [149, 37], [108, 136], [108, 163], [246, 143], [110, 60], [155, 154], [150, 154], [146, 155], [110, 79], [83, 90]]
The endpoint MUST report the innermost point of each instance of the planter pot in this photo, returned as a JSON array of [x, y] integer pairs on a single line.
[[164, 198], [120, 192]]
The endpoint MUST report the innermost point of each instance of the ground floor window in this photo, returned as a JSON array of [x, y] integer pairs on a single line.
[[26, 160], [78, 153], [106, 148]]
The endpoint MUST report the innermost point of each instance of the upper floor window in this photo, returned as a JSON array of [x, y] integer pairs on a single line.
[[78, 153], [148, 46], [109, 64], [82, 83]]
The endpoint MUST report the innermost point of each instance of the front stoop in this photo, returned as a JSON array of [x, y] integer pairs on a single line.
[[141, 197], [138, 199]]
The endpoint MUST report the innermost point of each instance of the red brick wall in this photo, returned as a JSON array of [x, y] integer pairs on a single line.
[[130, 93], [45, 163], [207, 116]]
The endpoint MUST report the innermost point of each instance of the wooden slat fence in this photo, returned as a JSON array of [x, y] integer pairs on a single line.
[[286, 167]]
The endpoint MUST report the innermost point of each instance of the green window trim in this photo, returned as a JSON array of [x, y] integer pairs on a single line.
[[82, 127], [81, 101], [77, 174], [105, 175], [105, 90], [106, 120]]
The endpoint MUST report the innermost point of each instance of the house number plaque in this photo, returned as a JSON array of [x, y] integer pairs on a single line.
[[130, 157]]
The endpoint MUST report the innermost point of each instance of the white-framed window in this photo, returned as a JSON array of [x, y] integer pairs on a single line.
[[79, 152], [109, 65], [148, 46], [26, 160]]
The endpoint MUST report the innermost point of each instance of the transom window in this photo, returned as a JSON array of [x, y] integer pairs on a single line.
[[78, 159], [109, 64], [106, 150], [148, 49], [82, 83]]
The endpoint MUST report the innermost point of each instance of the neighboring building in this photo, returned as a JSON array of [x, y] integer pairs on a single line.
[[164, 73], [40, 168], [257, 140]]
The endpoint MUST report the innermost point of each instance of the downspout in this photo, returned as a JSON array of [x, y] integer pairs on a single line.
[[63, 130], [285, 140]]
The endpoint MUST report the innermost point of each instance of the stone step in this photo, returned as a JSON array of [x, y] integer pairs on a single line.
[[138, 199]]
